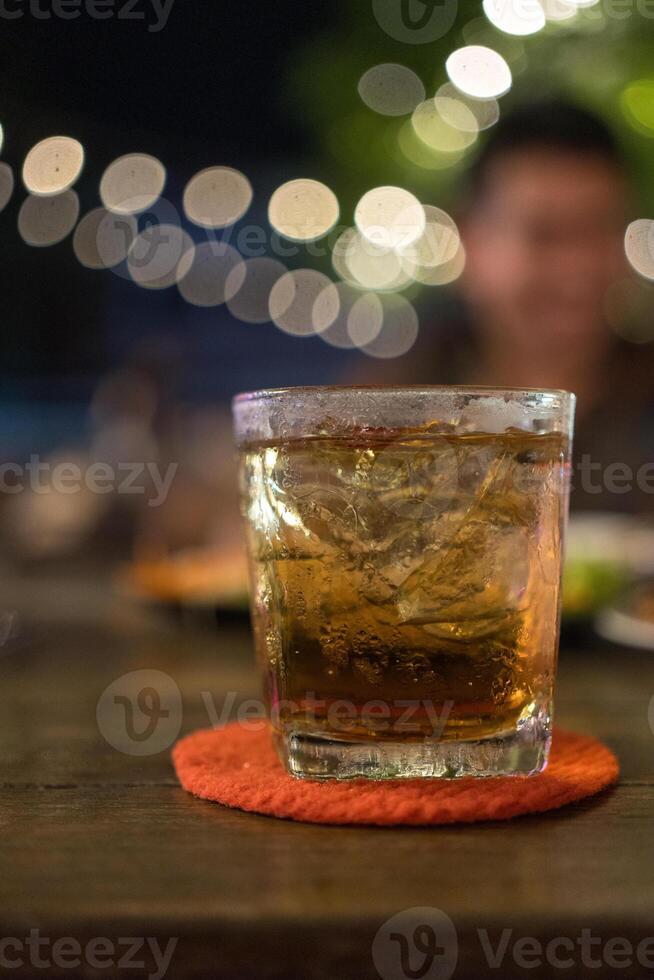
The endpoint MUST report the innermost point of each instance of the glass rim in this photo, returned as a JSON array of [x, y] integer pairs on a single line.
[[262, 394]]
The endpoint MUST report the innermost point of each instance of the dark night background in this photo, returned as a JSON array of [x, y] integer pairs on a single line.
[[212, 87]]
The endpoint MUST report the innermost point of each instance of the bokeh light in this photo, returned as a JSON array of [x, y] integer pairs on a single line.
[[292, 300], [432, 129], [102, 239], [250, 302], [44, 221], [53, 165], [391, 89], [365, 319], [6, 184], [217, 197], [559, 11], [366, 265], [303, 210], [639, 246], [399, 329], [132, 183], [438, 244], [479, 71], [464, 113], [338, 306], [216, 274], [637, 102], [160, 256], [419, 154], [443, 274], [518, 17], [390, 217]]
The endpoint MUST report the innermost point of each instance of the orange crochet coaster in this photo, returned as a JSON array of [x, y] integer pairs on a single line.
[[237, 766]]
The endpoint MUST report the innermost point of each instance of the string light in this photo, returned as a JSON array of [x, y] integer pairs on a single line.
[[102, 240], [53, 165], [466, 114], [132, 183], [292, 300], [6, 185], [250, 302], [303, 210], [44, 221], [437, 246], [518, 18], [433, 130], [390, 217], [479, 71], [216, 274], [160, 256], [391, 89], [639, 246], [217, 197]]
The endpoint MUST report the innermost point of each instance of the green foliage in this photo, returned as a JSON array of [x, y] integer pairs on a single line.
[[593, 58]]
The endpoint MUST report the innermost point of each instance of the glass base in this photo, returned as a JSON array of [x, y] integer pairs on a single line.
[[522, 752]]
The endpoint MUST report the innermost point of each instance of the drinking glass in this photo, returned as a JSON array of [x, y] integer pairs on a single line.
[[405, 557]]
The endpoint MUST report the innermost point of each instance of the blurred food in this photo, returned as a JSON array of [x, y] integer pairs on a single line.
[[195, 577], [631, 620], [590, 585], [604, 554]]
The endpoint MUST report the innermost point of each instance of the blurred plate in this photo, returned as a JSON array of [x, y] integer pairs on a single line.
[[614, 538], [604, 554], [198, 578], [631, 621]]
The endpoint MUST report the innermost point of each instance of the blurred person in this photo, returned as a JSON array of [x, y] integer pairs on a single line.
[[542, 222]]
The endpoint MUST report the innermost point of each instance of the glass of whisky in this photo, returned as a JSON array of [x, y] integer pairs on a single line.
[[405, 560]]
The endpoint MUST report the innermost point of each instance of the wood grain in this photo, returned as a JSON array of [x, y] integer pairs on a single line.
[[99, 843]]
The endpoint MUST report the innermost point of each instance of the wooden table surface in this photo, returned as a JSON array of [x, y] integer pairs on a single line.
[[100, 843]]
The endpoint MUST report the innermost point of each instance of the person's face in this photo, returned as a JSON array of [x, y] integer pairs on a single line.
[[543, 243]]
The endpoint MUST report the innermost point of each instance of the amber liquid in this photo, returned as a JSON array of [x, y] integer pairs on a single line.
[[405, 584]]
